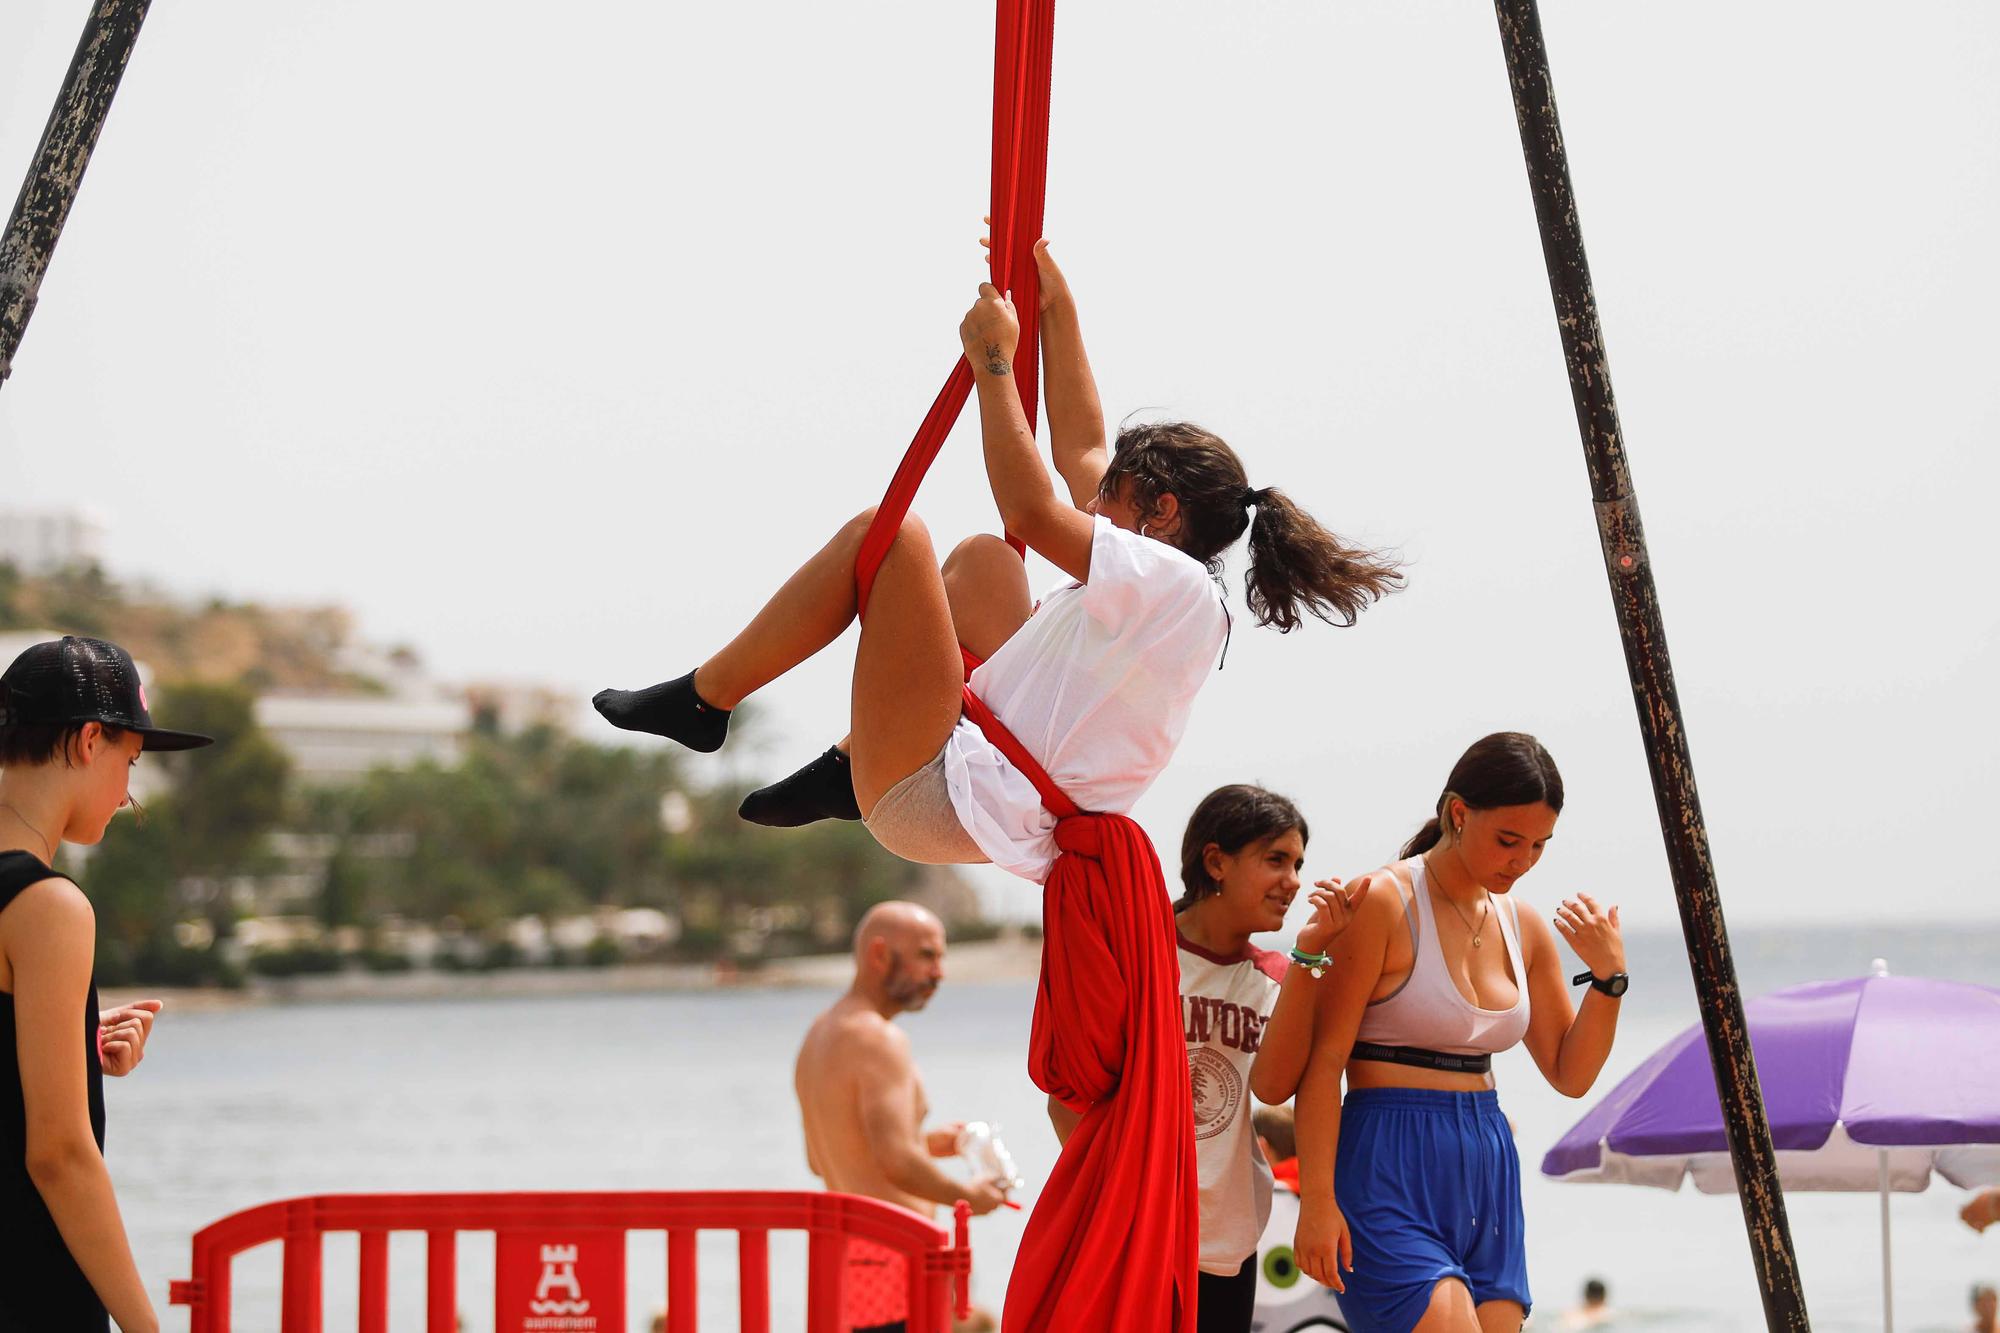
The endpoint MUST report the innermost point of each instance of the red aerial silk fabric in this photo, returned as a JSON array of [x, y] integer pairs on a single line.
[[1024, 37], [1114, 1238]]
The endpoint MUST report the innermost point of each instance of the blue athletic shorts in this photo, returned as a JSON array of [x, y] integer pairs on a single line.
[[1431, 1187]]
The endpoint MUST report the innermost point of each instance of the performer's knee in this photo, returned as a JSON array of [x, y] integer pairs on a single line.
[[910, 530], [983, 562], [978, 552]]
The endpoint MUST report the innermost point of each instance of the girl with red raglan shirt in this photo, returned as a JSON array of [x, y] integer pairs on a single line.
[[1240, 861]]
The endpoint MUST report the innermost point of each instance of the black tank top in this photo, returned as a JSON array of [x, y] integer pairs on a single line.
[[41, 1287]]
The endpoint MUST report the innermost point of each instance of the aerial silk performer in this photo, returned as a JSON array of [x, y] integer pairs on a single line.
[[1076, 708], [1033, 765]]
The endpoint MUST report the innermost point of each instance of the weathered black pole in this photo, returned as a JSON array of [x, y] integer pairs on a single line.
[[1645, 639], [57, 170]]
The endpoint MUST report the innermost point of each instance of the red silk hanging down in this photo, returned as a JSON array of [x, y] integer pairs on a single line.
[[1114, 1240], [1112, 1244]]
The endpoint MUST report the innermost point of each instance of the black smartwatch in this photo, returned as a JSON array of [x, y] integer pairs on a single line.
[[1613, 985]]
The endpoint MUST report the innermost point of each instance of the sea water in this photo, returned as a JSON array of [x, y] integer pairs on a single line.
[[693, 1091]]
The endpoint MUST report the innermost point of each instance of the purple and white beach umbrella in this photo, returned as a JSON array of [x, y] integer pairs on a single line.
[[1870, 1084]]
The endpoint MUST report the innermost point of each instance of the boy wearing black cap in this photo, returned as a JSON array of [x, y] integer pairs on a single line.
[[73, 721]]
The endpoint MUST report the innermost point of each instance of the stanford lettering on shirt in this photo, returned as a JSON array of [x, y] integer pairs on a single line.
[[1209, 1018]]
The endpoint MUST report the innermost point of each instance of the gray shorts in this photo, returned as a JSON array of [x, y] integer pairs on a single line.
[[914, 819]]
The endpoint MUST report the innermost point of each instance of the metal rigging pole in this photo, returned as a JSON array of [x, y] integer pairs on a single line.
[[57, 170]]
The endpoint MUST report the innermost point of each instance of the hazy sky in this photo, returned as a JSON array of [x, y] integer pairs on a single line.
[[549, 337]]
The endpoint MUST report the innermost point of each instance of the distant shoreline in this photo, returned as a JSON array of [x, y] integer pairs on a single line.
[[1009, 959], [1766, 957]]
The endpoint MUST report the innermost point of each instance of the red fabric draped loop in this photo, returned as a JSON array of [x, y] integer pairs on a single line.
[[1084, 835], [1113, 1242]]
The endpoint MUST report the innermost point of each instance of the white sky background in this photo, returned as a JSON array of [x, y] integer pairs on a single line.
[[550, 337]]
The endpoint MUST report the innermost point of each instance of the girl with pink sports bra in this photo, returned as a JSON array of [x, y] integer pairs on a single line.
[[1410, 1189]]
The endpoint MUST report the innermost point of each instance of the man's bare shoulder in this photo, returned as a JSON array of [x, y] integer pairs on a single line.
[[864, 1033], [845, 1035]]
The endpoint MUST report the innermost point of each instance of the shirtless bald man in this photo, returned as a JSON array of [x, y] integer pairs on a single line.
[[864, 1106]]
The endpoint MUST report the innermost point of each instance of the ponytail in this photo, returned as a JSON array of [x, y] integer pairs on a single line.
[[1425, 838], [1298, 566]]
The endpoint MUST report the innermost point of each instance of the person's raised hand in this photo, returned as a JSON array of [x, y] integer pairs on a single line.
[[122, 1034], [990, 331], [1333, 911], [985, 1194], [1322, 1246], [1054, 286], [943, 1141], [1593, 933]]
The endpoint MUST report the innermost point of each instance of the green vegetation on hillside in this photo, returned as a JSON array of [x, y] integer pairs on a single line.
[[533, 825]]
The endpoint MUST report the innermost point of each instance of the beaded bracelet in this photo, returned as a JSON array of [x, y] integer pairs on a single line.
[[1315, 963]]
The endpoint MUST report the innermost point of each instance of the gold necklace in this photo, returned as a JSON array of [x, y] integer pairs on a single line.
[[48, 852], [1485, 905]]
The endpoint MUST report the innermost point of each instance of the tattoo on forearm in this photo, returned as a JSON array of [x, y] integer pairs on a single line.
[[996, 364]]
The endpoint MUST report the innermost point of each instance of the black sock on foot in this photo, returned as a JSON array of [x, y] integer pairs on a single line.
[[823, 789], [671, 709]]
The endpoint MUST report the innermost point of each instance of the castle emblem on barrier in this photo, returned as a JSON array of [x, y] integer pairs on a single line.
[[559, 1274]]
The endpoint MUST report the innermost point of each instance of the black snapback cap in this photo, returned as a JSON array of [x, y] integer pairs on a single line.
[[75, 680]]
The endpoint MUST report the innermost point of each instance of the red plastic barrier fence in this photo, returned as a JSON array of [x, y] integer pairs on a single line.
[[564, 1245]]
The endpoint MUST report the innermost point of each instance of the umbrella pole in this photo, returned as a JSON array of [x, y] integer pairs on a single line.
[[1644, 635], [57, 171], [1888, 1287]]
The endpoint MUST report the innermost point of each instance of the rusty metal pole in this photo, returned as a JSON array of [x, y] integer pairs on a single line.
[[57, 171], [1645, 639]]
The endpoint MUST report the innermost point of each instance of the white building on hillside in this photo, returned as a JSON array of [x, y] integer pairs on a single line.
[[337, 738], [40, 541]]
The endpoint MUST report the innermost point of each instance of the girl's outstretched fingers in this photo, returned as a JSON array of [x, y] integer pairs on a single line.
[[1329, 918], [1592, 933]]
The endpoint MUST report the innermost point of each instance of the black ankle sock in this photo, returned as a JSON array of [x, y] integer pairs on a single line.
[[823, 789], [671, 709]]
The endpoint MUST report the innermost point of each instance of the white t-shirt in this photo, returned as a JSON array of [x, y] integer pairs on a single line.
[[1225, 1003], [1097, 685]]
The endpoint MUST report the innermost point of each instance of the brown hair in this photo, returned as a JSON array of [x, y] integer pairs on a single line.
[[1296, 566], [1231, 818], [1506, 768], [32, 744]]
